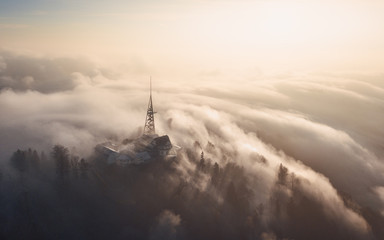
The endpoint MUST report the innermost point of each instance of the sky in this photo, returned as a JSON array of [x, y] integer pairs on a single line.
[[193, 36]]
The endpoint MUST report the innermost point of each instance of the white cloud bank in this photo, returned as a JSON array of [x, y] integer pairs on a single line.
[[326, 130]]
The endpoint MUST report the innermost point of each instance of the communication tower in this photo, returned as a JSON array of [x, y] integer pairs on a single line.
[[149, 127]]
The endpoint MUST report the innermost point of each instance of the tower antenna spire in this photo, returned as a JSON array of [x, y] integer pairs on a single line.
[[149, 127]]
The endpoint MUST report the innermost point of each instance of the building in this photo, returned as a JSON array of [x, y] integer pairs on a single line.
[[147, 147]]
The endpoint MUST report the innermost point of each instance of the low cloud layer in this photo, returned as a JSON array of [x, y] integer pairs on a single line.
[[325, 129]]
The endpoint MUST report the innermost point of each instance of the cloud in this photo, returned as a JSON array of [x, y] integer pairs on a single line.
[[232, 141], [325, 130], [167, 226], [21, 72], [322, 123]]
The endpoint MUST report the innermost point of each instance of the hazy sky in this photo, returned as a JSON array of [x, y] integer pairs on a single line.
[[242, 36]]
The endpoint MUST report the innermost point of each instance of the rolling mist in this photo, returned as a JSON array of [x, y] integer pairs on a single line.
[[293, 156]]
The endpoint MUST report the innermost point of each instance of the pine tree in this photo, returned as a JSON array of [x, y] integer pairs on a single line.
[[60, 155], [282, 175], [19, 161]]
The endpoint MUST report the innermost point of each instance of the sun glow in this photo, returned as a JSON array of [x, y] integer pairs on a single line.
[[283, 20], [214, 34], [294, 33], [277, 21]]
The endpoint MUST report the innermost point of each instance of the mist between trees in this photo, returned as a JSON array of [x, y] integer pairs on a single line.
[[59, 195]]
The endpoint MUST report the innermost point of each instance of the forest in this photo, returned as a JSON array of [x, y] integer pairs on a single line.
[[58, 195]]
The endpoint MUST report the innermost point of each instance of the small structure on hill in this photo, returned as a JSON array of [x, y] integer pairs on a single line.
[[147, 147]]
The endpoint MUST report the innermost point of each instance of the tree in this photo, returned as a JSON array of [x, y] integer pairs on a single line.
[[19, 160], [201, 165], [35, 160], [75, 165], [215, 174], [282, 175], [60, 155], [232, 196], [43, 157], [83, 168]]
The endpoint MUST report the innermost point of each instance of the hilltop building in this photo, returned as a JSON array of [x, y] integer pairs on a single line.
[[147, 147]]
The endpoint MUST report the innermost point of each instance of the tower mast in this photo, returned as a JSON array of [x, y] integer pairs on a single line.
[[149, 127]]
